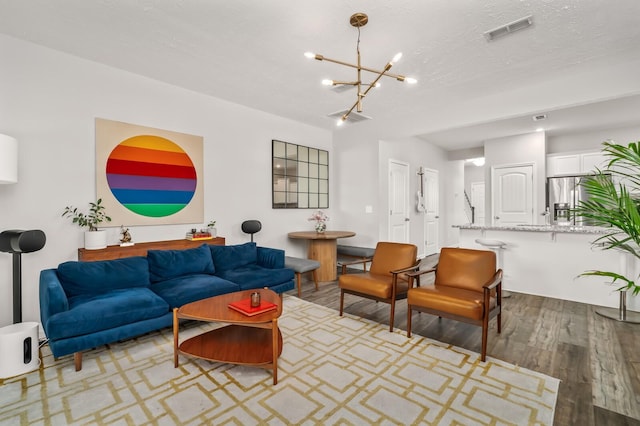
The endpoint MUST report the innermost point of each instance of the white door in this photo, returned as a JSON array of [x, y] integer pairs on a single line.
[[432, 212], [398, 201], [477, 201], [512, 194]]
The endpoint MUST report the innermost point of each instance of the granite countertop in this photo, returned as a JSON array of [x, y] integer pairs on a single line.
[[574, 229]]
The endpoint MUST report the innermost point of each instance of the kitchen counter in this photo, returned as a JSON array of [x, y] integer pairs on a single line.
[[573, 229], [549, 260]]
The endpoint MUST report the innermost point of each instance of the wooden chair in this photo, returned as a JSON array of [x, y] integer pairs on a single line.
[[385, 281], [467, 288]]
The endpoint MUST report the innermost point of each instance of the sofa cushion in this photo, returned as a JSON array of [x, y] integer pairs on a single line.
[[182, 290], [89, 278], [226, 258], [167, 264], [254, 276], [92, 313]]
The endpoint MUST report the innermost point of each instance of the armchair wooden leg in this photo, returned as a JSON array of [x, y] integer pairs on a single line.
[[341, 301], [77, 360], [485, 331], [298, 282], [409, 320], [392, 315]]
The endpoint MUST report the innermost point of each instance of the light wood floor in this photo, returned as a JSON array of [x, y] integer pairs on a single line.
[[596, 359]]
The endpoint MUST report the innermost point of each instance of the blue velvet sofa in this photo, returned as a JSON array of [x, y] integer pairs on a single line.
[[87, 304]]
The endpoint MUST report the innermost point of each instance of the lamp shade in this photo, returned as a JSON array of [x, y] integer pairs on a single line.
[[8, 159]]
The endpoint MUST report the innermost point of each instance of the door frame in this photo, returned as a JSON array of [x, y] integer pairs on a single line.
[[534, 189]]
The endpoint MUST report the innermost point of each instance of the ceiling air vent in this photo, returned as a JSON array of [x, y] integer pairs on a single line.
[[509, 28], [539, 117], [354, 117]]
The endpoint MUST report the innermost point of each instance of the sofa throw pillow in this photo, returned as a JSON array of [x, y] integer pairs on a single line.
[[232, 257], [167, 264], [102, 276]]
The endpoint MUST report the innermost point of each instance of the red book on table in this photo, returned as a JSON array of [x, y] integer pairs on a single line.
[[244, 306]]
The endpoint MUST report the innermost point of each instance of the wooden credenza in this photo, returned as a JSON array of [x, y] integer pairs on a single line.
[[140, 249]]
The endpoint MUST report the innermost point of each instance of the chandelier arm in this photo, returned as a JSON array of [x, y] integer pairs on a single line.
[[344, 83], [362, 95], [344, 117], [371, 70]]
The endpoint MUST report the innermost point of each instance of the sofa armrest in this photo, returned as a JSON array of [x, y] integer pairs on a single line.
[[52, 296], [270, 258]]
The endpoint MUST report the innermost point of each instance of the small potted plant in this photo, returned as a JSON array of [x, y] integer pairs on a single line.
[[93, 237], [211, 227]]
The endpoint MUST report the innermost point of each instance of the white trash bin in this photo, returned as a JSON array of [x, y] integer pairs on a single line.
[[18, 349]]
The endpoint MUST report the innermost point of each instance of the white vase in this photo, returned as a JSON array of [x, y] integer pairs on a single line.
[[94, 240]]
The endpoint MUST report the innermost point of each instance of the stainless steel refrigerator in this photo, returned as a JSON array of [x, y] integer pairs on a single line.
[[563, 195]]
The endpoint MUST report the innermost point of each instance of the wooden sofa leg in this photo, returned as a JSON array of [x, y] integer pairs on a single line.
[[77, 360], [341, 301]]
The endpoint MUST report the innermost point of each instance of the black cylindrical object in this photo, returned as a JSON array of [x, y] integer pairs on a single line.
[[17, 242]]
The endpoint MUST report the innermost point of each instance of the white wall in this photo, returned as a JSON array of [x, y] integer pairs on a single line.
[[515, 150], [49, 100], [362, 180], [591, 140]]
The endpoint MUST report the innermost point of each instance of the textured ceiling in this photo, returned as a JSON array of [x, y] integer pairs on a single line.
[[251, 53]]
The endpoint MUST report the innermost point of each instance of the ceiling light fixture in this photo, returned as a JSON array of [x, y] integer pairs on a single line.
[[478, 162], [358, 20]]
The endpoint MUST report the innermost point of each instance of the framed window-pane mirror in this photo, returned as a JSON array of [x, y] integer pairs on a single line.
[[300, 176]]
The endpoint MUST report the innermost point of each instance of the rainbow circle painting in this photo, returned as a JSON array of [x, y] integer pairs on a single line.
[[151, 176]]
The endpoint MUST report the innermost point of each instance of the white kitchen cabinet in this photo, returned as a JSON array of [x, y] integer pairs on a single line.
[[574, 164], [558, 165], [591, 160]]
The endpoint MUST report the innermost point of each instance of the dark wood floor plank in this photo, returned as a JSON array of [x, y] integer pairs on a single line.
[[591, 355], [612, 386]]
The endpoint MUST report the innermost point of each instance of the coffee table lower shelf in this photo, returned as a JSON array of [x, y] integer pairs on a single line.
[[234, 344]]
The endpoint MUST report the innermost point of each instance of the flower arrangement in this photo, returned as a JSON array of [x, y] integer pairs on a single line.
[[321, 220]]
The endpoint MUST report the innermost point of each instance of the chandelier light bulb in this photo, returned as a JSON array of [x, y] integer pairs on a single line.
[[340, 121], [326, 82], [309, 55], [396, 58], [411, 80], [377, 84]]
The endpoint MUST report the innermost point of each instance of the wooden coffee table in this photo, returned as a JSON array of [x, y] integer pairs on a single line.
[[247, 340]]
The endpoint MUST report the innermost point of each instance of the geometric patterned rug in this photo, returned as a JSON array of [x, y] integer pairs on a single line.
[[333, 370]]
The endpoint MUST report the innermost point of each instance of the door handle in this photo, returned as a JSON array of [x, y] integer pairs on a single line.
[[406, 219], [497, 217], [437, 217]]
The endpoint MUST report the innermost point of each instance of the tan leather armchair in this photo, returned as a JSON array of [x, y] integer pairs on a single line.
[[386, 280], [467, 288]]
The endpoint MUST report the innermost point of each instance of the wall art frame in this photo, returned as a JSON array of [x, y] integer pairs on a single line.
[[149, 176]]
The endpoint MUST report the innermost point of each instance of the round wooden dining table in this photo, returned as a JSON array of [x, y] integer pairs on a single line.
[[323, 247]]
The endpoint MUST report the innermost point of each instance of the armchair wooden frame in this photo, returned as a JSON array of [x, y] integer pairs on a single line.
[[395, 294], [362, 260], [487, 313]]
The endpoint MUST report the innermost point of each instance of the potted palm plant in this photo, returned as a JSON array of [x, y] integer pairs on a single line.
[[614, 202], [93, 237]]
